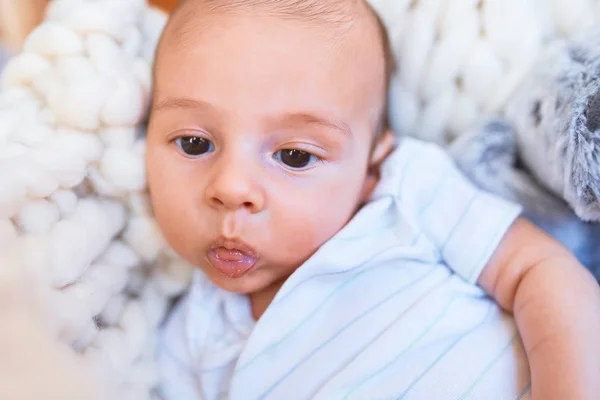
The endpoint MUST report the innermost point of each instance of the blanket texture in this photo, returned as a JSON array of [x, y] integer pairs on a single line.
[[72, 176]]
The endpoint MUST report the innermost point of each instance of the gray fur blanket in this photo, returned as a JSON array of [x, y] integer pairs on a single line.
[[544, 151]]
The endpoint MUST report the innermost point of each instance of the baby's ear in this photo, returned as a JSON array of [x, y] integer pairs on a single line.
[[381, 149]]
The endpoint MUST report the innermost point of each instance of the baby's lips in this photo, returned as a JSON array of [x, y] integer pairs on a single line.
[[232, 263], [230, 255], [234, 244]]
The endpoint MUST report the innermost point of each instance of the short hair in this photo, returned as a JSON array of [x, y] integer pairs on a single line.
[[330, 11], [335, 14], [390, 67]]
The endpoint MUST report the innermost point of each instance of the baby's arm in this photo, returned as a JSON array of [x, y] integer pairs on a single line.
[[556, 304]]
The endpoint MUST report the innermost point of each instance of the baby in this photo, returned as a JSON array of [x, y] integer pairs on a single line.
[[335, 262]]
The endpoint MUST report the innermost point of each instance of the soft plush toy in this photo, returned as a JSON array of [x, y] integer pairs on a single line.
[[72, 182], [544, 152]]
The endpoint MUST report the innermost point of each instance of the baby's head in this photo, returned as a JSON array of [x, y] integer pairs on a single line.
[[267, 127]]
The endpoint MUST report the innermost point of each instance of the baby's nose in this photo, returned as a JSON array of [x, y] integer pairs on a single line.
[[233, 187]]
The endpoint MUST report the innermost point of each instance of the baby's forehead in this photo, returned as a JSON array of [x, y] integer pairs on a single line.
[[352, 29], [339, 18]]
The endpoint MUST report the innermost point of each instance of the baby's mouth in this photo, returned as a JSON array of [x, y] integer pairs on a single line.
[[231, 258]]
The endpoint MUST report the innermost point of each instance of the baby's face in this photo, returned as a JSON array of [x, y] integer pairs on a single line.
[[259, 143]]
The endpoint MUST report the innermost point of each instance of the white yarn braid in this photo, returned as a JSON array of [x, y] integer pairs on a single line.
[[72, 176], [459, 60]]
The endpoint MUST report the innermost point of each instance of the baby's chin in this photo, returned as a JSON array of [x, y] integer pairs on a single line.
[[254, 281]]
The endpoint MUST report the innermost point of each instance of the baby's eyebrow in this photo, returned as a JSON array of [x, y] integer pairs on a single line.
[[287, 119], [180, 102], [305, 118]]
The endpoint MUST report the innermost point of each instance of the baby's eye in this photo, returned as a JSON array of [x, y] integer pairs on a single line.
[[194, 146], [296, 159]]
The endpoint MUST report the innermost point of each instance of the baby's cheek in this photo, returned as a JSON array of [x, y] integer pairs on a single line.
[[170, 223], [174, 217], [320, 218]]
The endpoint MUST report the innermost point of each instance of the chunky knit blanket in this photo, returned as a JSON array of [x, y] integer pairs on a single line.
[[72, 108]]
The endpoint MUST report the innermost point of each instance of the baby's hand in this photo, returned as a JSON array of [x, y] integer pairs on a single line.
[[556, 303]]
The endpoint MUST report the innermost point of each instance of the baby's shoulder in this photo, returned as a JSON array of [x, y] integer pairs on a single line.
[[414, 169]]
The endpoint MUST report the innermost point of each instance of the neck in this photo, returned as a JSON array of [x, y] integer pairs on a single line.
[[260, 300]]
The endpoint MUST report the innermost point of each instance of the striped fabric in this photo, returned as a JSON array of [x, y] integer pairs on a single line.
[[387, 309]]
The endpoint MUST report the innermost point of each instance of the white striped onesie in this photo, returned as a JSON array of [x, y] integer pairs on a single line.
[[387, 309]]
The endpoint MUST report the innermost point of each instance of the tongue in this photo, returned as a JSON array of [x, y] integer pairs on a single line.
[[229, 255]]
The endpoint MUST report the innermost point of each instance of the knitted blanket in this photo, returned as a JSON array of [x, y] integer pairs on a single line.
[[72, 176]]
